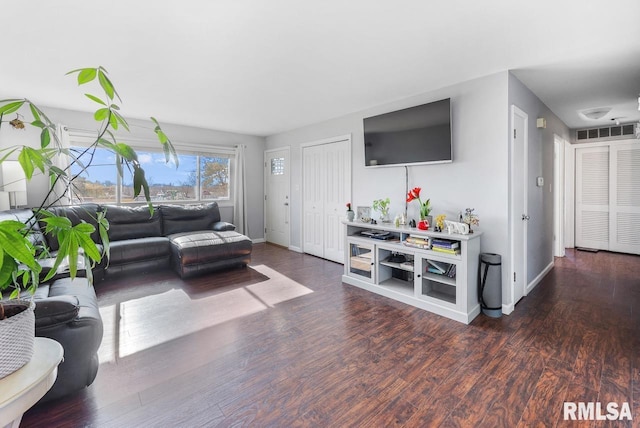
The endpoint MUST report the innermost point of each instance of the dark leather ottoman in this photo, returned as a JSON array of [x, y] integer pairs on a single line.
[[205, 251]]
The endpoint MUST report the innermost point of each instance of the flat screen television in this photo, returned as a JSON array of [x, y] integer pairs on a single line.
[[415, 135]]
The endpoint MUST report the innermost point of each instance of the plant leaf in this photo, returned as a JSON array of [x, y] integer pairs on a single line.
[[11, 107], [113, 121], [125, 151], [106, 84], [34, 113], [45, 138], [86, 75], [95, 99], [121, 119], [140, 183], [101, 114]]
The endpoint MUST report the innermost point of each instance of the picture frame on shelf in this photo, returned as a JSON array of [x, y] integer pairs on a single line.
[[363, 214]]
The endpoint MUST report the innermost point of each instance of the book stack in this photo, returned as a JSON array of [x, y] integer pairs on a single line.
[[445, 246], [441, 268], [417, 242]]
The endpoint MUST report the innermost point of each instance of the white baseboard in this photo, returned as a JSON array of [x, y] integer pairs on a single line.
[[507, 309], [538, 278], [296, 249], [258, 240]]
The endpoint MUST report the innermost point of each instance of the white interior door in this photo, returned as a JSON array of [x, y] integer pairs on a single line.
[[519, 214], [592, 198], [624, 191], [313, 189], [277, 204], [338, 176]]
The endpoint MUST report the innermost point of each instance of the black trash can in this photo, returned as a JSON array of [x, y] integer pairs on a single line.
[[490, 284]]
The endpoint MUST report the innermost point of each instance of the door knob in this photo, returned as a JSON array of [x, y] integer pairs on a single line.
[[525, 217], [286, 204]]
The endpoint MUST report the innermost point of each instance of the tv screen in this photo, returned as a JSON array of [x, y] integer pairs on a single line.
[[415, 135]]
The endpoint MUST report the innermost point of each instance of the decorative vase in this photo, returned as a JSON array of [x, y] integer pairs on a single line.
[[17, 337], [350, 215], [423, 224]]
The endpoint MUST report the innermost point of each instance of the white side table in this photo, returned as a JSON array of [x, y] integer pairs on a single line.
[[23, 388]]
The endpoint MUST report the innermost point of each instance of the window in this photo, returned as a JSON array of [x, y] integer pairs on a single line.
[[214, 178], [166, 182], [97, 184], [199, 177]]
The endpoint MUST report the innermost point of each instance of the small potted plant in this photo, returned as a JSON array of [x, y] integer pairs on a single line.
[[382, 206], [350, 214]]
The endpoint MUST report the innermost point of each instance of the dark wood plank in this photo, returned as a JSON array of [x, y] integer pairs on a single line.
[[285, 343]]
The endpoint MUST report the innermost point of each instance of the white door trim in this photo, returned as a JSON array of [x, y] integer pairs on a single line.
[[266, 171], [569, 197], [516, 177], [558, 195]]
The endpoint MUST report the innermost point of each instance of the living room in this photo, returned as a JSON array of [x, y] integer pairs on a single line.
[[202, 114]]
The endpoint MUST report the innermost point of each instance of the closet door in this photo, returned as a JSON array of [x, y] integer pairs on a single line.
[[592, 198], [338, 178], [625, 198], [313, 190], [326, 188]]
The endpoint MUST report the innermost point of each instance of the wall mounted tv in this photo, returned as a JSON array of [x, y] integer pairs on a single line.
[[415, 135]]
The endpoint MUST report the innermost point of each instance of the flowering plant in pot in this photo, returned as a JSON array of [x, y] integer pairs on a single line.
[[425, 207], [350, 213], [20, 271]]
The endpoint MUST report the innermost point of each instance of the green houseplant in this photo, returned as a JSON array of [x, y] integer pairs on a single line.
[[19, 267], [382, 206]]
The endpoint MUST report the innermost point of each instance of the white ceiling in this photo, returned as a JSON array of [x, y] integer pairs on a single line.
[[263, 67]]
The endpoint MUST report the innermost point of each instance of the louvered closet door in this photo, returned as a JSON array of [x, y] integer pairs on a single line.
[[625, 198], [592, 198]]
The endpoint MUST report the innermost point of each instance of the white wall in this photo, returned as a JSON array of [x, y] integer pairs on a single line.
[[477, 178], [178, 134], [540, 199]]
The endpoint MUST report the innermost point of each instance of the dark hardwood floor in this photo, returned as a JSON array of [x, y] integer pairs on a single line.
[[284, 343]]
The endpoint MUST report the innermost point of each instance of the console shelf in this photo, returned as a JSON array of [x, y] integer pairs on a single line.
[[430, 270]]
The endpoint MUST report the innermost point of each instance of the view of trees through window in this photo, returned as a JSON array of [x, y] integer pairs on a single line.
[[197, 178]]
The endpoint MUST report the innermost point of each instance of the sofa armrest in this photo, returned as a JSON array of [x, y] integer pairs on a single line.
[[221, 226], [56, 310]]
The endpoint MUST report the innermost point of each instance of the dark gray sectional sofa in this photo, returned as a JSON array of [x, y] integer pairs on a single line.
[[192, 240]]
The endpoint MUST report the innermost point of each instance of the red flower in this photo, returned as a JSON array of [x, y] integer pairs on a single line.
[[348, 206], [414, 194]]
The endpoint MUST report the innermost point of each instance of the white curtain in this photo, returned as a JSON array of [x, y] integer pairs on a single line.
[[240, 193], [60, 196]]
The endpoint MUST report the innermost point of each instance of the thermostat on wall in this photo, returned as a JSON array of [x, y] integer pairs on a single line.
[[540, 181]]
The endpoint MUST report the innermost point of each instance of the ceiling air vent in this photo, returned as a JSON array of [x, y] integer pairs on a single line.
[[606, 132]]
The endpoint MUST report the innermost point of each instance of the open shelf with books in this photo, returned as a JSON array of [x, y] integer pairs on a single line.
[[431, 270]]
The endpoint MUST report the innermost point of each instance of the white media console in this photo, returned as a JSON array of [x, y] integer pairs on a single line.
[[382, 259]]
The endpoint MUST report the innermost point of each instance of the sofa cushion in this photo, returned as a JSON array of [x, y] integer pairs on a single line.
[[188, 218], [132, 222], [76, 214], [132, 250]]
